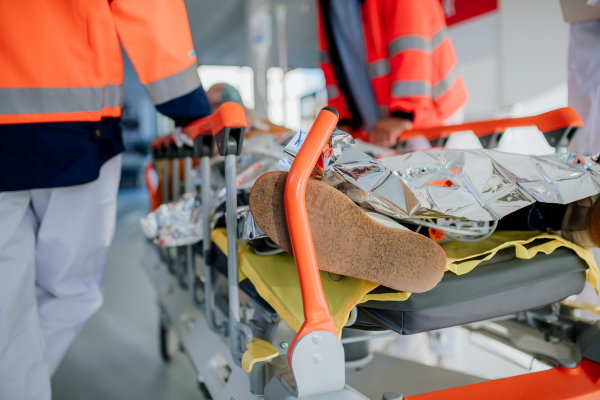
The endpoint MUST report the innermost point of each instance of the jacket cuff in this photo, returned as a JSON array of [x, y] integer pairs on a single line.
[[187, 108], [403, 114]]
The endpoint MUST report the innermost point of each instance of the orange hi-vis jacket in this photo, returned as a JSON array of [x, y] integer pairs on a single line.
[[61, 76], [61, 60], [411, 61]]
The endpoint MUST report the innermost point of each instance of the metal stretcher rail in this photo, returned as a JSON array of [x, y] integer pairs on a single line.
[[558, 126]]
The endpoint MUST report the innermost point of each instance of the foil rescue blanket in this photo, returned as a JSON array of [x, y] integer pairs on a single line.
[[480, 185], [276, 279]]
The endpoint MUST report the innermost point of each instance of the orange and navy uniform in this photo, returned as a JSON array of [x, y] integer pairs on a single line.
[[410, 62], [61, 79]]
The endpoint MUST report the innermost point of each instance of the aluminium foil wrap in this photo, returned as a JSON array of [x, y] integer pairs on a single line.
[[479, 184]]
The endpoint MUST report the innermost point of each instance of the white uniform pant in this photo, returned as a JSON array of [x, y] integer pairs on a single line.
[[584, 97], [584, 84], [53, 249]]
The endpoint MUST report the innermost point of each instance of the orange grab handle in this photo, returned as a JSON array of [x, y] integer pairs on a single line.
[[316, 312], [150, 186], [579, 383], [546, 122], [227, 115]]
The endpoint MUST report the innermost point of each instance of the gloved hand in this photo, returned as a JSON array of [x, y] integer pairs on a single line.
[[181, 139]]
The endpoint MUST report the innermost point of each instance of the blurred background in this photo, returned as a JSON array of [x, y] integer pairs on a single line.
[[512, 55]]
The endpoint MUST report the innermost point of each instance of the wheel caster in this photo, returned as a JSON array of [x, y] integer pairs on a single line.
[[171, 262], [182, 276], [204, 390], [169, 343], [198, 291]]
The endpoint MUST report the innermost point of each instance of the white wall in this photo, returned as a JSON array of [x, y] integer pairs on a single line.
[[478, 52], [514, 60], [533, 47]]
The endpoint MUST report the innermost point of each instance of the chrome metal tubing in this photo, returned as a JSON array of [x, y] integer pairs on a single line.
[[232, 258], [209, 301]]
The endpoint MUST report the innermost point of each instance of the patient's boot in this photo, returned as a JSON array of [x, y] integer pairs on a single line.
[[346, 240], [581, 223]]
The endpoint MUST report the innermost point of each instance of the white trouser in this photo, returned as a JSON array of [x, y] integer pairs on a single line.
[[584, 84], [53, 249], [584, 97]]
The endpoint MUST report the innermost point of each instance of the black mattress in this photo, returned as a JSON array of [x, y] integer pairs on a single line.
[[501, 286]]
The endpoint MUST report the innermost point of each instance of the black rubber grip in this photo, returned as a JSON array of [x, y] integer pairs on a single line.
[[331, 109]]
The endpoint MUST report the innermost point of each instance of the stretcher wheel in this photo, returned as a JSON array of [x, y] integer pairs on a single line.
[[171, 262], [169, 343], [182, 276], [204, 391], [198, 291]]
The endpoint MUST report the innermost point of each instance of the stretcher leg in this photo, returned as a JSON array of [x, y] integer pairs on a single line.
[[209, 301], [190, 266], [235, 326]]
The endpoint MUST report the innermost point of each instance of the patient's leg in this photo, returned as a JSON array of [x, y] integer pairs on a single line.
[[578, 222]]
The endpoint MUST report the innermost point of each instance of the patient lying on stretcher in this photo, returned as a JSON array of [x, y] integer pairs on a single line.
[[373, 247]]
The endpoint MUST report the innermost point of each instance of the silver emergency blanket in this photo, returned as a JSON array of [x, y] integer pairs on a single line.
[[180, 223], [175, 224], [486, 185], [368, 182], [248, 229], [480, 185]]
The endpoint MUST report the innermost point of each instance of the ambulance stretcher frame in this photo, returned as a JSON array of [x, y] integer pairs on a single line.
[[316, 355]]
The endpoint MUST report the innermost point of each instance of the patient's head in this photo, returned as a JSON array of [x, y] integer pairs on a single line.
[[220, 93]]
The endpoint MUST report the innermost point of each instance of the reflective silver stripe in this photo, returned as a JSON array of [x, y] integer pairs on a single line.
[[113, 96], [437, 38], [442, 86], [415, 42], [324, 57], [50, 100], [382, 111], [332, 92], [411, 88], [378, 68], [409, 42], [174, 86]]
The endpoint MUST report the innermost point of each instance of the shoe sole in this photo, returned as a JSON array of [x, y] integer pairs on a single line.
[[593, 223], [348, 242]]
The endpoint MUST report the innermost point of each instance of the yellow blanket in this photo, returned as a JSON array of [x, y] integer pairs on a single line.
[[276, 279]]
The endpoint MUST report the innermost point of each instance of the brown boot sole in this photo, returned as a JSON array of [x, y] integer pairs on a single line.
[[594, 223], [346, 240]]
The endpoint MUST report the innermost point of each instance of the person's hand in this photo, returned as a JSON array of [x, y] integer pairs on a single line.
[[182, 139], [345, 127], [385, 132]]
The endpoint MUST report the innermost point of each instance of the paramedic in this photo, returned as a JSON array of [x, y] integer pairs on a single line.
[[61, 81], [400, 73], [584, 96]]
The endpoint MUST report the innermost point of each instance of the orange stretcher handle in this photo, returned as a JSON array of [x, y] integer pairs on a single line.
[[316, 312], [150, 187], [546, 122], [227, 115]]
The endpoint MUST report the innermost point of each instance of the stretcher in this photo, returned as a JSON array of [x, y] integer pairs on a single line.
[[241, 346]]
